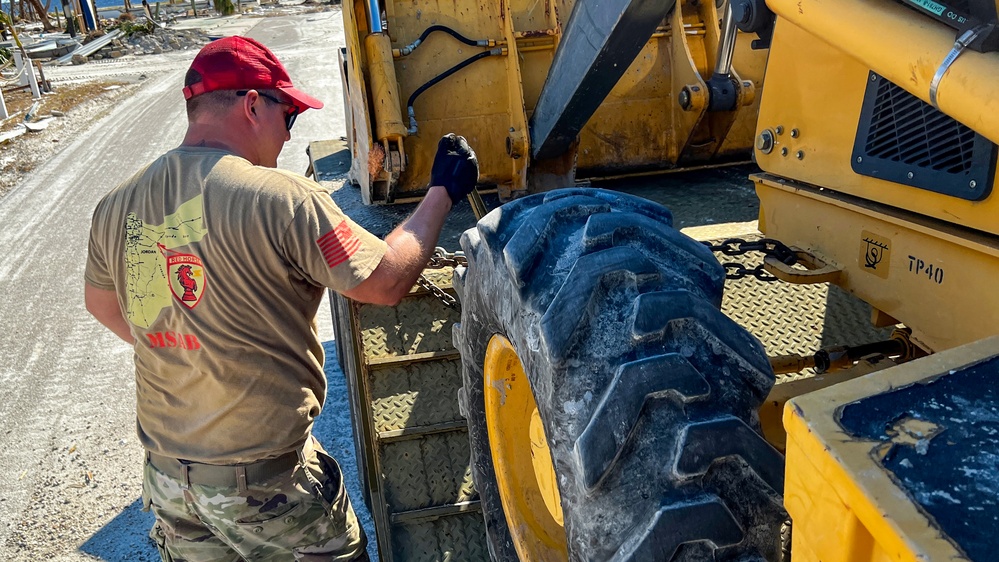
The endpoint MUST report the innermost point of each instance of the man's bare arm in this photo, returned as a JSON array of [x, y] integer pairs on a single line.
[[103, 305], [411, 244], [410, 247]]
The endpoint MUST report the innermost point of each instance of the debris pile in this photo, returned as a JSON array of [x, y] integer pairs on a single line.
[[155, 43]]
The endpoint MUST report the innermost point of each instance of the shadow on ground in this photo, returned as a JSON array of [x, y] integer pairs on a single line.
[[124, 538]]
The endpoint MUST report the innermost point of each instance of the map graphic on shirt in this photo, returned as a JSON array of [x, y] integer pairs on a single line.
[[148, 286]]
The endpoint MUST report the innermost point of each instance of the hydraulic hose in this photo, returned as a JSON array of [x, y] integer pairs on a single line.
[[375, 17], [423, 37], [441, 76]]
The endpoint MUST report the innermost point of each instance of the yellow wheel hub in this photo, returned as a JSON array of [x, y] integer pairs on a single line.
[[522, 462]]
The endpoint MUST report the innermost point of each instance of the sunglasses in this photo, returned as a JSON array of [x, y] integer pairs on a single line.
[[289, 118]]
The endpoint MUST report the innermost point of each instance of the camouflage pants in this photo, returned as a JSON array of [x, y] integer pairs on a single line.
[[286, 518]]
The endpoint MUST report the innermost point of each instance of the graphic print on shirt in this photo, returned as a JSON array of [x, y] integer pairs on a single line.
[[150, 286], [338, 244], [186, 274]]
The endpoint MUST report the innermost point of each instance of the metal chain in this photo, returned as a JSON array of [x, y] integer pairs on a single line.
[[738, 247], [439, 260], [738, 271], [448, 300]]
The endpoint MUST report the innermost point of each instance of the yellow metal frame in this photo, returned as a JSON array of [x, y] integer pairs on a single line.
[[918, 257], [816, 78], [844, 505], [358, 118], [639, 127], [934, 277], [525, 475], [875, 34], [772, 410]]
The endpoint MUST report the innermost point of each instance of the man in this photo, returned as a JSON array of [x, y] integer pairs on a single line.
[[212, 264]]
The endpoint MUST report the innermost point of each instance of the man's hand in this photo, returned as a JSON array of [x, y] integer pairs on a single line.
[[455, 167]]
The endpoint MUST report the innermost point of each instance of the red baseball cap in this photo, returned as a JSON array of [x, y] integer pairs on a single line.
[[240, 63]]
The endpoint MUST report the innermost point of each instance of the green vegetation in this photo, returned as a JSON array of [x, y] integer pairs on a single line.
[[224, 7], [129, 27]]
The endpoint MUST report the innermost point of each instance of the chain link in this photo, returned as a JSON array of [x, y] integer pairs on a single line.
[[735, 270], [439, 260], [739, 247]]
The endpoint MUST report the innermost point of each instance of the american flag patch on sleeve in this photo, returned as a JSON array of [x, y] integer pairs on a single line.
[[338, 244]]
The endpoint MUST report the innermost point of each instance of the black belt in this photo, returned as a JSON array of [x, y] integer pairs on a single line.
[[234, 475]]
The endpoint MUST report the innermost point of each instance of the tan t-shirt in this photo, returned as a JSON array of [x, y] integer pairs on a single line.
[[219, 267]]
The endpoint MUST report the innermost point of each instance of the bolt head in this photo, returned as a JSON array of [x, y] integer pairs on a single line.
[[765, 142], [783, 151], [799, 155], [909, 175], [795, 133], [972, 184], [684, 98], [780, 129]]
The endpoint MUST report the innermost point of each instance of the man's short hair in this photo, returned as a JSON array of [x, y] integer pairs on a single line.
[[218, 101]]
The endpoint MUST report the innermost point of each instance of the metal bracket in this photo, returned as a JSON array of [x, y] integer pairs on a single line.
[[817, 271], [960, 45]]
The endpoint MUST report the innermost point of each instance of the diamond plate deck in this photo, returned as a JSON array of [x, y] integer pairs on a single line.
[[419, 324], [417, 394], [403, 376], [427, 472], [797, 318], [451, 539]]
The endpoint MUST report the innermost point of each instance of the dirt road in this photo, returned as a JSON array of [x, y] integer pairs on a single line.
[[70, 462]]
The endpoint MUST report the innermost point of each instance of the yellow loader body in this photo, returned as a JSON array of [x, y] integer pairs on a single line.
[[876, 143], [840, 187], [639, 127]]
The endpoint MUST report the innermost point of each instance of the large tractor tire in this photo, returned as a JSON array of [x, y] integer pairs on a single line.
[[612, 408]]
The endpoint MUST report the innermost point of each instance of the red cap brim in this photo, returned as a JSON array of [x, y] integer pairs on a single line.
[[302, 100]]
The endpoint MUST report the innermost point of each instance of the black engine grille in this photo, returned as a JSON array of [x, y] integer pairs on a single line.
[[903, 139], [906, 129]]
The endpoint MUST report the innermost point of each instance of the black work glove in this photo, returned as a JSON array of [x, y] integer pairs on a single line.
[[455, 167]]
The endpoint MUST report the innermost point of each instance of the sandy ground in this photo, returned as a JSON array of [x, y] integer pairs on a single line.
[[70, 470], [22, 154]]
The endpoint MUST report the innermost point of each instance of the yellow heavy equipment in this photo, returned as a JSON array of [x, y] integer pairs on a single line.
[[611, 411], [416, 70]]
